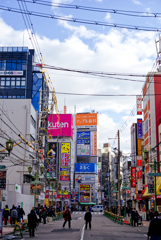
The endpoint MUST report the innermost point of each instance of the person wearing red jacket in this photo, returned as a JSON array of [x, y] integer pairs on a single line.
[[67, 217]]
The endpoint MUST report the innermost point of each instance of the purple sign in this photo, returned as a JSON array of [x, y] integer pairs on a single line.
[[139, 128]]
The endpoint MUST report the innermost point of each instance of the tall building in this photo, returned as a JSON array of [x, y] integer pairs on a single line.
[[19, 75]]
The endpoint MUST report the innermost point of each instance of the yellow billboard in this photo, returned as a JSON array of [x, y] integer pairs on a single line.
[[65, 161]]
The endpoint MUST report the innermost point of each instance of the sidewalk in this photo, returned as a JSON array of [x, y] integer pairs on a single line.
[[7, 230], [146, 223]]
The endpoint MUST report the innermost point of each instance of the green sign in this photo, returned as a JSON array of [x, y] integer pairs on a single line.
[[155, 174]]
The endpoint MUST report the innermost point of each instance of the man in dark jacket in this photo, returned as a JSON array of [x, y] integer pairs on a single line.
[[32, 220], [67, 217], [151, 215], [133, 217], [154, 228], [88, 219]]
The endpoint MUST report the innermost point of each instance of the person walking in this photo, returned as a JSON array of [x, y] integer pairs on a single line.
[[44, 215], [88, 219], [6, 213], [14, 215], [151, 215], [133, 217], [67, 217], [32, 220], [154, 231], [136, 218]]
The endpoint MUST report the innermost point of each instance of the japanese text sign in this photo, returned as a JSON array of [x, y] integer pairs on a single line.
[[133, 174], [139, 105], [85, 168], [88, 119], [84, 193], [139, 161], [65, 161], [139, 128]]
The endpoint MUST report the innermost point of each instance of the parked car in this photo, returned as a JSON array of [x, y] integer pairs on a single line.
[[97, 208]]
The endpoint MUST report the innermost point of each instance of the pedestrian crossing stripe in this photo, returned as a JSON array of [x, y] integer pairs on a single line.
[[98, 213]]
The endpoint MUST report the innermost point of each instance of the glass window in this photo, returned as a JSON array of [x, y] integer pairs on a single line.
[[18, 78], [24, 49], [4, 49], [18, 96], [14, 96], [17, 83], [7, 78], [2, 83], [18, 64], [9, 49], [5, 96], [14, 49], [13, 64], [23, 83], [23, 64], [2, 78], [22, 96], [0, 49], [13, 78], [9, 96], [7, 83], [3, 64], [8, 65], [19, 49], [12, 83]]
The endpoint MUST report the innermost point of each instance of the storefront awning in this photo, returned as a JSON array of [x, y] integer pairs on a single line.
[[87, 203], [158, 187]]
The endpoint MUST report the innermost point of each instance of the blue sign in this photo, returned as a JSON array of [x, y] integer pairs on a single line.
[[83, 143], [85, 168], [139, 128]]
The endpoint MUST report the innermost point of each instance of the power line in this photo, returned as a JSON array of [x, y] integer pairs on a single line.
[[84, 21], [93, 9]]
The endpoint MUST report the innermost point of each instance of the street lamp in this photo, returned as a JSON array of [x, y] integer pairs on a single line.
[[35, 182], [9, 147]]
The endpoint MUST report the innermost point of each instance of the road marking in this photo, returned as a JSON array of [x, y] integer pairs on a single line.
[[82, 233]]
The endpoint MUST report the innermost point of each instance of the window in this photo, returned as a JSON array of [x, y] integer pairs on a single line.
[[22, 96], [33, 122], [23, 64], [18, 96], [7, 83], [13, 64], [8, 65], [3, 65], [17, 83], [9, 49], [2, 83], [19, 65], [23, 83], [13, 83]]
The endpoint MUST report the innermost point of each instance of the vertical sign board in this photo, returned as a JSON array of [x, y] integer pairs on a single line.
[[2, 180], [65, 161], [139, 105], [83, 143], [150, 185], [133, 174], [139, 128], [51, 159], [93, 143], [84, 193], [139, 167]]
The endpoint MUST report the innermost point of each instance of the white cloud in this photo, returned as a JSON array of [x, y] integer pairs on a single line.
[[115, 51], [108, 16], [137, 2]]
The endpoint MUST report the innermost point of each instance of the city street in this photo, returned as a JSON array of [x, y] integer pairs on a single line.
[[102, 228]]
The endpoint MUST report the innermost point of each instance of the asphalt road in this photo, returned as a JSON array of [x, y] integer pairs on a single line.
[[102, 228]]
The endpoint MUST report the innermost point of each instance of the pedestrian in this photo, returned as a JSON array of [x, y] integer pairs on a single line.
[[67, 217], [22, 212], [154, 232], [18, 212], [136, 218], [6, 213], [133, 217], [32, 220], [14, 215], [88, 219], [151, 215], [44, 215]]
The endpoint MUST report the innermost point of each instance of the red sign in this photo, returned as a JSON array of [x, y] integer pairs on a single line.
[[139, 172], [47, 194], [139, 105], [133, 174], [139, 161]]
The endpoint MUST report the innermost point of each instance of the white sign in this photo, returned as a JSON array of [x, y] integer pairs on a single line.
[[11, 73], [140, 185], [139, 105], [17, 188]]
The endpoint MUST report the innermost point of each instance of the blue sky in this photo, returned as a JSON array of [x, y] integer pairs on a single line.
[[90, 47]]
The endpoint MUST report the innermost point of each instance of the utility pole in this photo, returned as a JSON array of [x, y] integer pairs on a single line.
[[119, 192]]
